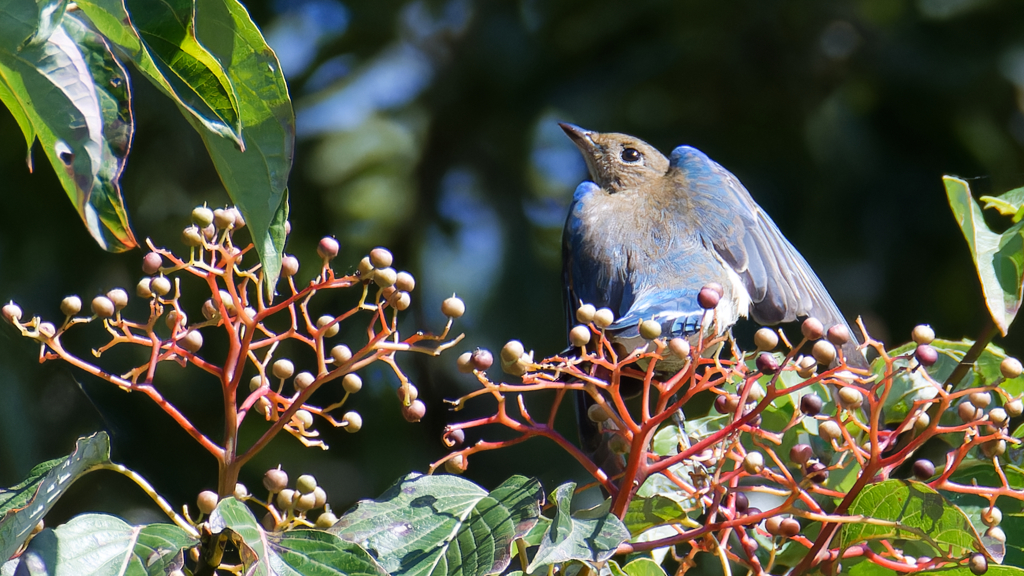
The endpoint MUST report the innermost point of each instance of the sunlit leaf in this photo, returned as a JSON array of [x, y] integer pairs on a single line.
[[443, 525], [587, 535], [256, 179], [999, 258], [910, 510], [22, 506]]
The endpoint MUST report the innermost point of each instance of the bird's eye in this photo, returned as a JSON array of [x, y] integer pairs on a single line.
[[630, 155]]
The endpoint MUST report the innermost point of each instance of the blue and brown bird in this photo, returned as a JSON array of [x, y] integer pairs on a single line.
[[649, 232]]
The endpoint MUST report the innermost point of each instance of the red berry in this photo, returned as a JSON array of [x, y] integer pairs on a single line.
[[926, 355], [801, 453], [709, 296], [455, 438], [482, 359], [838, 334], [812, 328], [817, 472], [923, 469], [328, 248], [767, 363], [415, 411], [741, 502], [151, 263], [810, 404]]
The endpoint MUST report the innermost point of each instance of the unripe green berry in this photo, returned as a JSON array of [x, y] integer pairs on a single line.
[[353, 422], [324, 321], [766, 339], [325, 521], [305, 502], [352, 383], [275, 480], [161, 285], [71, 305], [1010, 368], [202, 216], [321, 497], [579, 336], [649, 329], [285, 500], [604, 318], [456, 464], [305, 484], [207, 501], [283, 368], [597, 413], [102, 307], [453, 307]]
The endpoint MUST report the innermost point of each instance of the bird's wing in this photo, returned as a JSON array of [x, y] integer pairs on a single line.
[[781, 284]]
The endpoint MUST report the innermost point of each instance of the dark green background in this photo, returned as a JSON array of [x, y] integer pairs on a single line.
[[436, 136]]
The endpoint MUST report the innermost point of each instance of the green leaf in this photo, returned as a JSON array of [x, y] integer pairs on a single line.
[[588, 535], [999, 258], [292, 553], [50, 87], [98, 544], [985, 371], [22, 506], [256, 179], [917, 512], [643, 567], [1008, 203], [646, 513], [160, 39], [443, 525]]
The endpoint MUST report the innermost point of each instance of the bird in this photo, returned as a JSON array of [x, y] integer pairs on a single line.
[[647, 232]]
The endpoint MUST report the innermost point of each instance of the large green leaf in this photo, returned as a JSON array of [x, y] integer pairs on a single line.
[[646, 513], [102, 545], [22, 506], [588, 535], [443, 525], [292, 553], [918, 513], [160, 39], [256, 179], [50, 87], [999, 258]]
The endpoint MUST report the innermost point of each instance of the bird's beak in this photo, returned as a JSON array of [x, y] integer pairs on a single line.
[[581, 137]]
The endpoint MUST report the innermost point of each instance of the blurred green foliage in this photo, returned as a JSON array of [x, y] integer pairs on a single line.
[[429, 127]]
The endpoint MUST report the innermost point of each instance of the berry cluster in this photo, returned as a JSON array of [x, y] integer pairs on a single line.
[[238, 311], [800, 436]]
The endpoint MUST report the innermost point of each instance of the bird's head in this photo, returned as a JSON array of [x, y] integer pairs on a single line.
[[617, 162]]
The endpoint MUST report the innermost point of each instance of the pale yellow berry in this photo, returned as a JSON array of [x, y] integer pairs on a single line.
[[160, 285], [512, 351], [324, 321], [1010, 368], [352, 383], [119, 297], [579, 336], [585, 313], [453, 307], [753, 463], [850, 397], [829, 430], [304, 418], [303, 380], [402, 301], [766, 339], [192, 341], [71, 305], [341, 354], [923, 334], [353, 422], [824, 352], [649, 329], [603, 318], [380, 258], [679, 347], [283, 368], [385, 277], [102, 307], [405, 282], [142, 289]]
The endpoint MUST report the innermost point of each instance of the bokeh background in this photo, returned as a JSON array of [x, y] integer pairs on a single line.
[[430, 127]]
